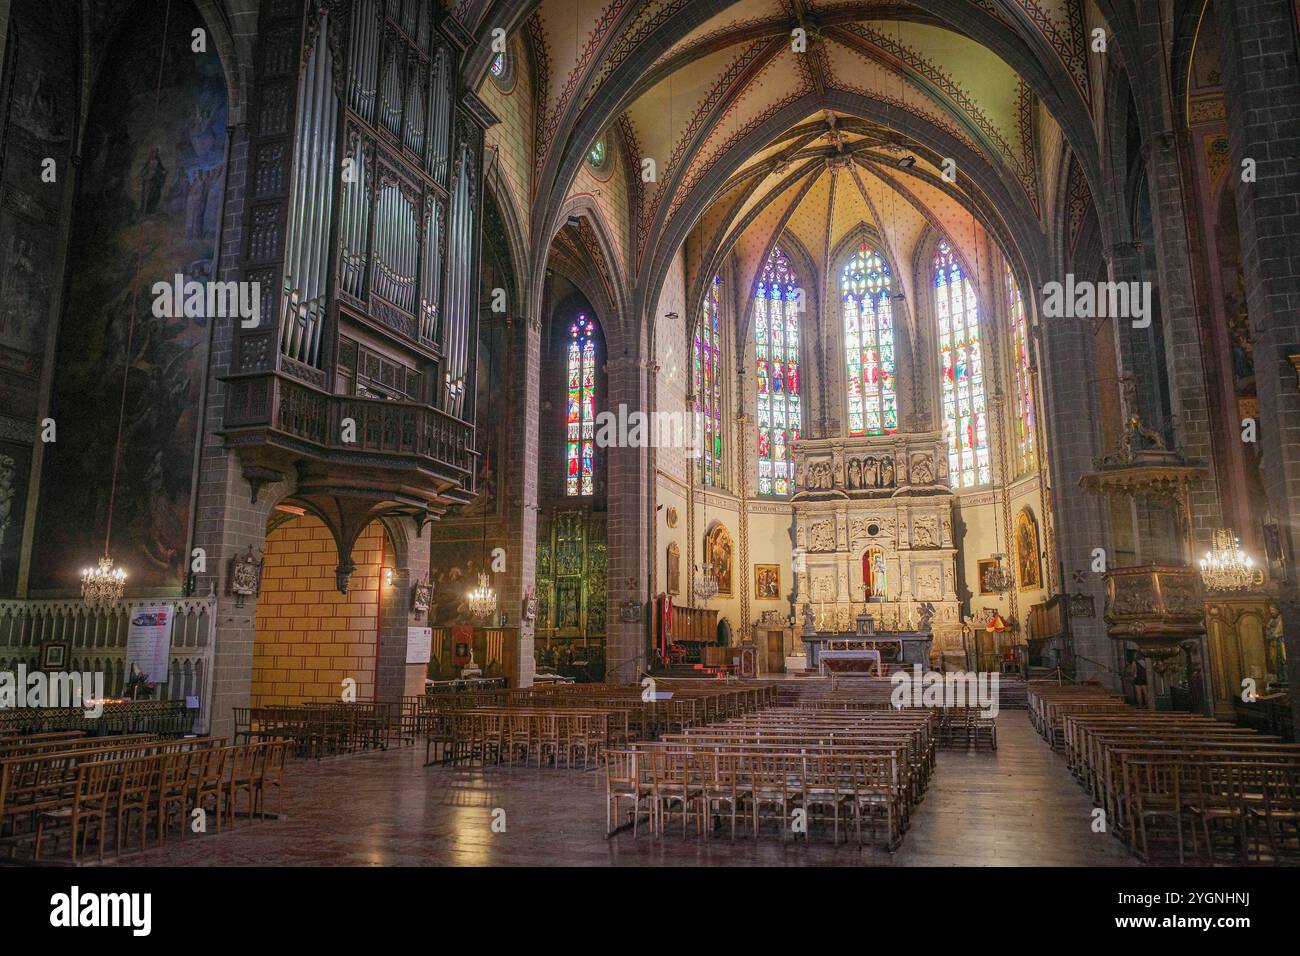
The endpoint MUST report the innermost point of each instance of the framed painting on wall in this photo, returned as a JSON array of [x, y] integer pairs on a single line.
[[767, 582], [987, 574], [1027, 563]]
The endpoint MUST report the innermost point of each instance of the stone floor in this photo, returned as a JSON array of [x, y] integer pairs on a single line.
[[1016, 807]]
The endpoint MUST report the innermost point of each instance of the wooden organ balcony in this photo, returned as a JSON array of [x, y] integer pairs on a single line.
[[408, 450], [361, 227]]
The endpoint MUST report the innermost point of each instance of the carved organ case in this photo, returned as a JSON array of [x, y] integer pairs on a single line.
[[877, 508], [364, 196]]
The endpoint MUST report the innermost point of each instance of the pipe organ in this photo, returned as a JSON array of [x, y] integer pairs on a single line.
[[361, 225]]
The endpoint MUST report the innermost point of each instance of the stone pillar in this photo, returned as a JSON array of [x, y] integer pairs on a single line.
[[1261, 72], [518, 486], [630, 512], [1081, 522], [409, 560]]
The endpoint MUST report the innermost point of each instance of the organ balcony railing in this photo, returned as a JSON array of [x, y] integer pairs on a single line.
[[273, 420]]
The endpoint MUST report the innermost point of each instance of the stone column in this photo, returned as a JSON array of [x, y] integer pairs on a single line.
[[1070, 397], [1261, 72], [409, 561], [518, 485], [630, 512]]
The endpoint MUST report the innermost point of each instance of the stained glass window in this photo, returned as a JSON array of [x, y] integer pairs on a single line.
[[962, 372], [1024, 404], [865, 287], [499, 65], [596, 157], [708, 388], [581, 417], [776, 342]]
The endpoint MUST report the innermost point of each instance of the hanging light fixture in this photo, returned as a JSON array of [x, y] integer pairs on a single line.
[[706, 582], [1226, 567], [482, 600], [102, 586]]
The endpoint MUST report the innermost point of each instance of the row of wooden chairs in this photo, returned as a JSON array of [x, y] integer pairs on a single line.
[[31, 783], [1177, 782], [144, 794], [702, 785], [323, 729], [526, 736]]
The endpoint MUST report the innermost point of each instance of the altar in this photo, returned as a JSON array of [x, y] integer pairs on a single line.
[[825, 650]]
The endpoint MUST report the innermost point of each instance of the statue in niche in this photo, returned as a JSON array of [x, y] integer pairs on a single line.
[[947, 530], [887, 472], [923, 533], [872, 473], [922, 470], [855, 473], [809, 621]]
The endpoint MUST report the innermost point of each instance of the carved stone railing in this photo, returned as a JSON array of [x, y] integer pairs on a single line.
[[277, 406]]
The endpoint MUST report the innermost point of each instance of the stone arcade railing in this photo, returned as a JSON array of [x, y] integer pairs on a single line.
[[96, 642]]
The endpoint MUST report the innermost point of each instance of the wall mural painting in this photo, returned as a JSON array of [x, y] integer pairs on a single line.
[[15, 466], [39, 84], [1027, 558], [717, 552], [147, 210]]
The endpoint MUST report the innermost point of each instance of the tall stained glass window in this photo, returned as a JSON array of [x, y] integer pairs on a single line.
[[1024, 404], [962, 372], [708, 387], [776, 342], [866, 288], [581, 415]]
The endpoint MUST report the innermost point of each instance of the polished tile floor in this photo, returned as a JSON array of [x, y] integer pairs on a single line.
[[1016, 807]]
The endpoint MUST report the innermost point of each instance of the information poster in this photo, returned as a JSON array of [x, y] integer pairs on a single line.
[[419, 645], [149, 641]]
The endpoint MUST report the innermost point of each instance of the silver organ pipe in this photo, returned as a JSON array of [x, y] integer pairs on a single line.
[[364, 54], [311, 199], [355, 224], [459, 298], [413, 128], [431, 270], [390, 90], [437, 130], [396, 247]]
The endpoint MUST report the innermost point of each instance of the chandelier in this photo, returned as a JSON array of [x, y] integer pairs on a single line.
[[1000, 579], [1226, 567], [483, 599], [706, 583], [103, 586]]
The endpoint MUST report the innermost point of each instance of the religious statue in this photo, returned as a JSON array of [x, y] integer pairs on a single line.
[[809, 620], [529, 610], [887, 472], [855, 473], [872, 473]]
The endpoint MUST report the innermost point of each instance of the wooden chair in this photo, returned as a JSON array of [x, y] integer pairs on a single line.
[[96, 783], [173, 789], [624, 781], [1278, 812], [272, 777], [246, 765], [675, 786], [208, 781], [139, 779], [718, 775]]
